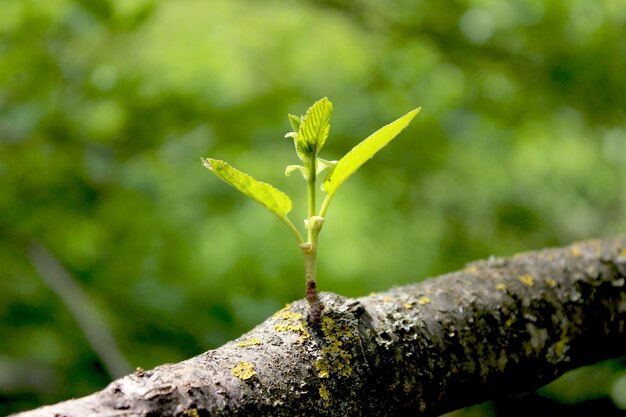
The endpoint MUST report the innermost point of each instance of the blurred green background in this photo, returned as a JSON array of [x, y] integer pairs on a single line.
[[107, 106]]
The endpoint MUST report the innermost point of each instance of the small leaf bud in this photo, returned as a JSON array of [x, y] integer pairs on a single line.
[[306, 247], [314, 222]]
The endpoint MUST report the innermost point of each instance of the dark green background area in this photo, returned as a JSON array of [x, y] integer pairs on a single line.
[[107, 106]]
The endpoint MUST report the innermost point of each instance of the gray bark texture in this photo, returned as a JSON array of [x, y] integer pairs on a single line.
[[498, 327]]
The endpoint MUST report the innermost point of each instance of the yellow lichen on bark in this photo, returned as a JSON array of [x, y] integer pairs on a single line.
[[324, 393], [335, 358], [527, 280], [560, 347], [253, 341], [288, 321], [423, 300], [243, 370]]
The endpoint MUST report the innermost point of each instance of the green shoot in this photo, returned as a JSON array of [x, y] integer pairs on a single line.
[[309, 136], [361, 153]]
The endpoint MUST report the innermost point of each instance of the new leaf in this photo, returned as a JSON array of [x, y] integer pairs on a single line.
[[273, 199], [314, 128], [364, 151]]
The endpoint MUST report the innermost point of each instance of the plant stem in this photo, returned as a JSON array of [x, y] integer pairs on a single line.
[[311, 165], [293, 229], [325, 204], [309, 249], [310, 266]]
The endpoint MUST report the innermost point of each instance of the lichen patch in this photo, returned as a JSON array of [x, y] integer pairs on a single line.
[[500, 287], [324, 393], [557, 352], [322, 368], [335, 357], [559, 347], [288, 321], [527, 280], [253, 341], [550, 282], [423, 300], [243, 371]]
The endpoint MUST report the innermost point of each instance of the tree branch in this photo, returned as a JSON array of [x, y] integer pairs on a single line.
[[497, 327]]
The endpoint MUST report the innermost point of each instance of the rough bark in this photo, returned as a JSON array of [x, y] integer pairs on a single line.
[[497, 327]]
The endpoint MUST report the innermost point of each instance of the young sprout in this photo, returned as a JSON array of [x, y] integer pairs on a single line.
[[309, 136]]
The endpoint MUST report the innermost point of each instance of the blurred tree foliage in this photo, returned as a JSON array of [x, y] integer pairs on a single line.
[[107, 106]]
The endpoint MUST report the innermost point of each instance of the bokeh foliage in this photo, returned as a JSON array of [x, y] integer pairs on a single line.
[[107, 106]]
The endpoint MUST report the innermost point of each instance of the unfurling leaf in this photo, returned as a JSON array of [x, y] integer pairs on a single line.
[[364, 151], [295, 122], [314, 128], [322, 164], [294, 136], [273, 199], [291, 168]]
